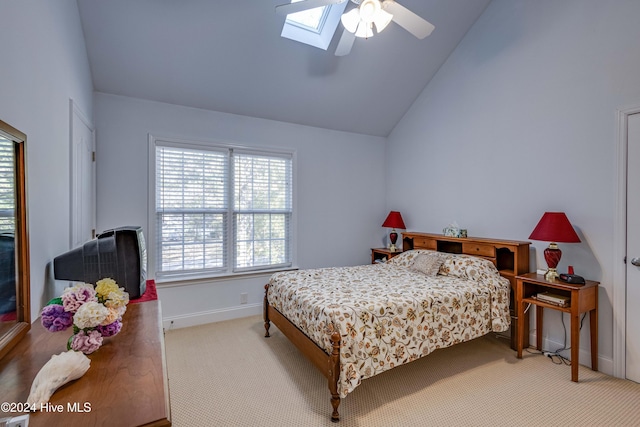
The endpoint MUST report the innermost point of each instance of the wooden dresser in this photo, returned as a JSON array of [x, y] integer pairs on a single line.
[[126, 385], [511, 258]]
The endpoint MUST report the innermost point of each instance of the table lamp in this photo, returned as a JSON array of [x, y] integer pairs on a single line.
[[393, 221], [554, 227]]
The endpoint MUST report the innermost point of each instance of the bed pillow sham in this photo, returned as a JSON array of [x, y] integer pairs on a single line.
[[468, 267], [406, 259], [428, 263]]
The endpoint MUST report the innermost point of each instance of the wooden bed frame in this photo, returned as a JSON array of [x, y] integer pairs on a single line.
[[510, 257]]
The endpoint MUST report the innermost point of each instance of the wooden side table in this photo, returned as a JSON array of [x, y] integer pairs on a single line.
[[582, 299], [382, 253]]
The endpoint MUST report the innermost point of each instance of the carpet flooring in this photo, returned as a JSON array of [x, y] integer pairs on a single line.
[[228, 374]]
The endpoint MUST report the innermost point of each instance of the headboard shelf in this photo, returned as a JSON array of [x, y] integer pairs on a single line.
[[450, 247], [511, 257]]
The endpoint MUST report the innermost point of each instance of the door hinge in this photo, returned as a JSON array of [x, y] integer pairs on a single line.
[[93, 156], [625, 260], [93, 233]]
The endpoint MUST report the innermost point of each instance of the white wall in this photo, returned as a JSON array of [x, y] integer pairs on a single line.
[[340, 191], [44, 64], [521, 120]]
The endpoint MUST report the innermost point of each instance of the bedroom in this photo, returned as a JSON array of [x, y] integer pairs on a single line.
[[536, 87]]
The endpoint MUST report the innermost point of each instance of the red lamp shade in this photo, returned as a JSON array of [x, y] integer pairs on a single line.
[[554, 227], [394, 220]]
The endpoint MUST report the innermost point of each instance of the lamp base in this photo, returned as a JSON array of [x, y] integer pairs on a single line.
[[552, 255], [551, 275], [393, 237]]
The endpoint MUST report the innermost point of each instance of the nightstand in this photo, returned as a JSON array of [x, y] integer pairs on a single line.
[[580, 299], [378, 254]]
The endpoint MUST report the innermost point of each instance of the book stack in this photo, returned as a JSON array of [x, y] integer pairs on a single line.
[[559, 300]]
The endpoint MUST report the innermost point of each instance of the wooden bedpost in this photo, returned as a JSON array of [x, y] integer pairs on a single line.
[[334, 376], [267, 323]]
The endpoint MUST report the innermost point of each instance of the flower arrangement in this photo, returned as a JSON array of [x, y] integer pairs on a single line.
[[94, 313]]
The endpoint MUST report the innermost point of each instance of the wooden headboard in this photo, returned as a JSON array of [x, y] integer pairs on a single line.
[[510, 257]]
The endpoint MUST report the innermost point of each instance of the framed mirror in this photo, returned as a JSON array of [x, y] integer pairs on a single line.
[[15, 317]]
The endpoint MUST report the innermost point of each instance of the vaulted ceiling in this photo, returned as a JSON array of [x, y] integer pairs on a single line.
[[228, 56]]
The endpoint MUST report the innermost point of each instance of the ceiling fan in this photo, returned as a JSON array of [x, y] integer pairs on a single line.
[[359, 21]]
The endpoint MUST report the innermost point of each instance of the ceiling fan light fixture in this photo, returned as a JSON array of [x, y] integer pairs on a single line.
[[382, 19], [351, 19], [360, 21], [364, 30], [369, 10]]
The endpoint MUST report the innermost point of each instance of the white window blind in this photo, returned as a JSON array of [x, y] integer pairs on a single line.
[[221, 210], [262, 210], [191, 209], [7, 186]]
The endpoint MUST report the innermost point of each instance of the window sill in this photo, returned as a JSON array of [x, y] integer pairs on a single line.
[[169, 282]]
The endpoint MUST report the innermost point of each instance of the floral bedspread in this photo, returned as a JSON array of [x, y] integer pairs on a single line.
[[388, 314]]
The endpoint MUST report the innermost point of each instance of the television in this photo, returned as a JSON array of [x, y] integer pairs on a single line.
[[119, 254]]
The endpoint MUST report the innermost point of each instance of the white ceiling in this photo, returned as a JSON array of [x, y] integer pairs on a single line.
[[228, 56]]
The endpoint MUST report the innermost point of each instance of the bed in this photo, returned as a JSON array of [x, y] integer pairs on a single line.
[[355, 322]]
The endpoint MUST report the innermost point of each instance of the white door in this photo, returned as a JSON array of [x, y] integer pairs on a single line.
[[633, 250], [82, 178]]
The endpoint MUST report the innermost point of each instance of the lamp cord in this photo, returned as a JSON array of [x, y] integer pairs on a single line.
[[555, 356]]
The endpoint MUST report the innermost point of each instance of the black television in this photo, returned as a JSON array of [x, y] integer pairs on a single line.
[[119, 254]]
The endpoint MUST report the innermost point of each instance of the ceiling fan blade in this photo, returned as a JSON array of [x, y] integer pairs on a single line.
[[299, 6], [408, 20], [345, 43]]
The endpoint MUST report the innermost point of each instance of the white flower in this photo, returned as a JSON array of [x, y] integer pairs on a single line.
[[90, 315], [117, 299]]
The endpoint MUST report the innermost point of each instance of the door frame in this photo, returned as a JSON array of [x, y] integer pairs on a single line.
[[620, 244], [76, 112]]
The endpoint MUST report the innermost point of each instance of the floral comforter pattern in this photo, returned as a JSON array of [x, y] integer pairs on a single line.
[[388, 314]]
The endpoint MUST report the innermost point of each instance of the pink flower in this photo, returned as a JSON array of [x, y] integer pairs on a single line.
[[86, 342], [75, 296]]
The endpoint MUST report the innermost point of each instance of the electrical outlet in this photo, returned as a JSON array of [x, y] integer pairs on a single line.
[[244, 298], [21, 421]]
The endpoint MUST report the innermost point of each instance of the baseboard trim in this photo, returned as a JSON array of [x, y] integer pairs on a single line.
[[203, 317]]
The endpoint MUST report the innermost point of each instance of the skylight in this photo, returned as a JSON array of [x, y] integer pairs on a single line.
[[314, 27], [311, 19]]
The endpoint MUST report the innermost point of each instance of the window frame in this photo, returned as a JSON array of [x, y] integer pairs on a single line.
[[229, 270]]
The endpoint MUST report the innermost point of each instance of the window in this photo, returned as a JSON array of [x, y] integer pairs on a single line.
[[220, 209], [311, 19], [262, 210], [314, 27]]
